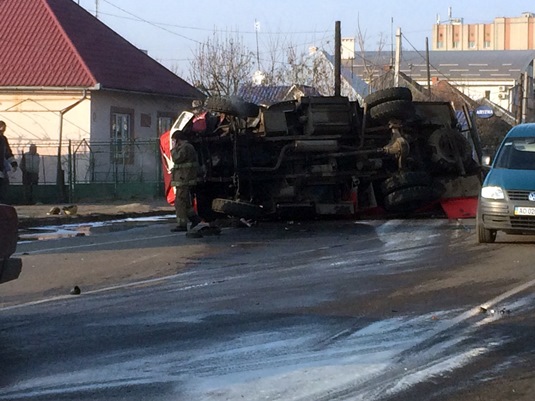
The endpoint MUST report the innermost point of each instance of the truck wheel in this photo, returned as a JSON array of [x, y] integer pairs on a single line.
[[445, 145], [246, 109], [404, 180], [221, 104], [232, 105], [387, 95], [409, 199], [237, 208], [484, 235], [394, 109]]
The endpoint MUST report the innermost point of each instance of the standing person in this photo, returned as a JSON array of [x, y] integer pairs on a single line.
[[29, 166], [7, 162], [184, 178]]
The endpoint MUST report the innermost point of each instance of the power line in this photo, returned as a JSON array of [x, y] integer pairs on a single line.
[[163, 26], [151, 23]]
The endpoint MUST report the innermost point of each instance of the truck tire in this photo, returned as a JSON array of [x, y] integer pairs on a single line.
[[247, 109], [221, 104], [232, 105], [404, 180], [446, 145], [237, 208], [387, 95], [394, 109], [409, 199]]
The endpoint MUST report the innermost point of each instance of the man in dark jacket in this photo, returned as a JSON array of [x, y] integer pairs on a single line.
[[184, 178], [29, 165], [7, 162]]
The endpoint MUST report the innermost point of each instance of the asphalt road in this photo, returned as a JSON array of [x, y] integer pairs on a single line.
[[337, 310]]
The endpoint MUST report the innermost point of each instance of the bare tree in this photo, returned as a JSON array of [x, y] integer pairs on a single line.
[[372, 70], [221, 64], [275, 65]]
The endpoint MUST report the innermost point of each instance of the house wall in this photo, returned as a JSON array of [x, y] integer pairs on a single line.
[[141, 105], [499, 91], [35, 117], [141, 162]]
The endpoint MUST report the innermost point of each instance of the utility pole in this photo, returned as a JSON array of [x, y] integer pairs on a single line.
[[398, 58], [256, 29], [337, 59], [428, 66]]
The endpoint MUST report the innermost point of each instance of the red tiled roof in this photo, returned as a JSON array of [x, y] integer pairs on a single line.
[[56, 43]]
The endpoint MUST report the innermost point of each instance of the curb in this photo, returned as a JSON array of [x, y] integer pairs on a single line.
[[27, 222]]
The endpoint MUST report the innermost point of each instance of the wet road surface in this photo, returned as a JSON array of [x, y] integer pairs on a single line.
[[368, 310]]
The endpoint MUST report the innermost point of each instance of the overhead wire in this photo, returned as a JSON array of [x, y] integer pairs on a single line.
[[425, 60]]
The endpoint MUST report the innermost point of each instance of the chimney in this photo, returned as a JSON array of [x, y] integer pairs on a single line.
[[348, 48]]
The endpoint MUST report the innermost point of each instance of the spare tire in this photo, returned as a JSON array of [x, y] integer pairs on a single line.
[[237, 208], [387, 95], [395, 109]]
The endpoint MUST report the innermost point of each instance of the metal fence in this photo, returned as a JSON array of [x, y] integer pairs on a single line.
[[113, 162], [95, 169], [96, 162]]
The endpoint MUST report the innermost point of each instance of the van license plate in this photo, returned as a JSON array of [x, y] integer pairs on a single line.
[[524, 211]]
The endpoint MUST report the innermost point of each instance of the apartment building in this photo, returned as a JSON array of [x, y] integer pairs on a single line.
[[504, 33]]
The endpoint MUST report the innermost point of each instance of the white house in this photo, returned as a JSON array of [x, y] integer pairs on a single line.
[[65, 77]]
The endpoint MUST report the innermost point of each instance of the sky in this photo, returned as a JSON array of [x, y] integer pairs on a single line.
[[172, 30]]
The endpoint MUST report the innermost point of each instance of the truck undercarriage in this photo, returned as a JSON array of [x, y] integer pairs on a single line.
[[329, 156]]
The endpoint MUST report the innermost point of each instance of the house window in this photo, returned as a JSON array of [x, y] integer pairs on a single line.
[[487, 94], [165, 122], [121, 137]]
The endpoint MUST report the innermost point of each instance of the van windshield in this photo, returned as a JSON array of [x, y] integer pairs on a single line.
[[517, 154]]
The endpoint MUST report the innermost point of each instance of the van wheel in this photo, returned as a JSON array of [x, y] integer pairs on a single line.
[[484, 235]]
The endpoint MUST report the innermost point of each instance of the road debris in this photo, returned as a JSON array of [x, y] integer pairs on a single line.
[[76, 290]]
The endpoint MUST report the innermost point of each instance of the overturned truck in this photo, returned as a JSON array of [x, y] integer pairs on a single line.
[[328, 156]]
